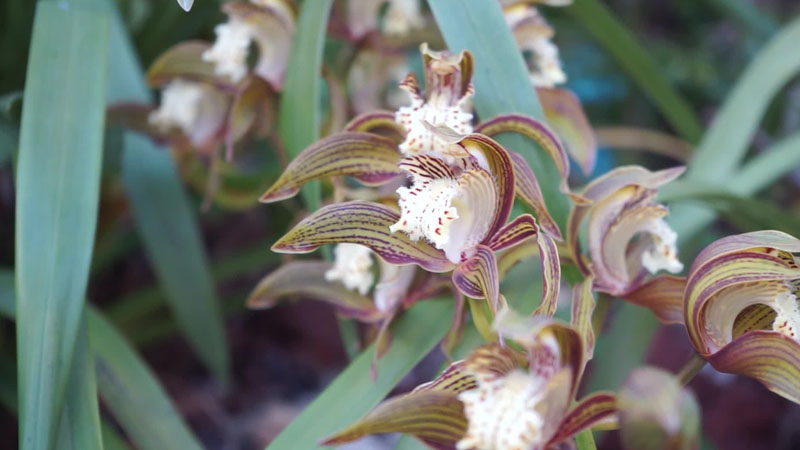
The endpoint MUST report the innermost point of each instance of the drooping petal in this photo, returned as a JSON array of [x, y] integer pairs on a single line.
[[185, 61], [432, 415], [362, 223], [539, 133], [528, 190], [516, 231], [369, 158], [477, 277], [663, 295], [769, 357], [372, 122], [551, 274], [565, 114], [306, 280], [606, 185], [656, 413], [583, 304], [588, 412]]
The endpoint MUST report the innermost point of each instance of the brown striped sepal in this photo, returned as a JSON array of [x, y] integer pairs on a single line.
[[514, 233], [583, 304], [306, 280], [367, 157], [364, 223], [539, 133], [565, 114], [655, 412], [741, 308], [590, 411], [528, 190], [185, 61], [378, 122], [663, 295], [477, 277], [551, 274], [252, 102]]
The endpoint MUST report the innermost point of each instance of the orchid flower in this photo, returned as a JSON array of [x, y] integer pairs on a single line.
[[195, 108], [373, 159], [742, 311], [629, 239], [533, 35], [498, 398], [268, 23], [402, 16]]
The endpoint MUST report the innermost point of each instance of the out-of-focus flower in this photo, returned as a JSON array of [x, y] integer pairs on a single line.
[[268, 23], [534, 37], [623, 209], [373, 80], [402, 16], [198, 109], [447, 102], [353, 267], [656, 413], [498, 398], [742, 310]]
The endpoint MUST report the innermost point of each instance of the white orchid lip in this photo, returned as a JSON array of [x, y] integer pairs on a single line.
[[662, 253], [352, 267], [534, 34], [229, 52], [196, 108]]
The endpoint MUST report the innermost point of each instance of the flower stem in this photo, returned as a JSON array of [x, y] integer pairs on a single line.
[[690, 369]]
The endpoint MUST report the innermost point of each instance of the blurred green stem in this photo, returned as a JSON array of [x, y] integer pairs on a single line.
[[690, 369]]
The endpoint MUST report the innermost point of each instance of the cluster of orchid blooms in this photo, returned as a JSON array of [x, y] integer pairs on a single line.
[[428, 195]]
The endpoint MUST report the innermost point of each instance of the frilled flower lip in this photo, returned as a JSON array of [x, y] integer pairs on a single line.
[[747, 261]]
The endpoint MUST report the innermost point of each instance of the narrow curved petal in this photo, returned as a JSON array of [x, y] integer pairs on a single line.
[[663, 295], [528, 190], [454, 379], [769, 357], [372, 122], [183, 60], [514, 233], [362, 223], [588, 412], [551, 273], [729, 269], [477, 277], [583, 304], [491, 361], [369, 158], [306, 280], [432, 415], [565, 114], [539, 133]]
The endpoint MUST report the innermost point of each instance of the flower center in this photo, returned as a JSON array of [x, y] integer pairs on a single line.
[[427, 210], [662, 253], [229, 52], [196, 108], [351, 266], [420, 140], [787, 318]]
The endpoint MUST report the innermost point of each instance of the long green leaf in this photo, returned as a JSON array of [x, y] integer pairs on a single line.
[[635, 60], [164, 215], [502, 84], [58, 181], [300, 115], [352, 394]]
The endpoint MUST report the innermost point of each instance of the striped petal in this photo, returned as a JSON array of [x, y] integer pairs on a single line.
[[477, 277], [583, 304], [306, 280], [362, 223], [551, 273], [435, 416], [514, 233], [605, 186], [369, 158], [663, 295], [588, 412], [565, 114], [655, 412], [528, 190], [250, 103], [376, 122], [185, 61], [539, 133], [769, 357]]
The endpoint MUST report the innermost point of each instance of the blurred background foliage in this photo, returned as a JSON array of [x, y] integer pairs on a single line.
[[281, 358]]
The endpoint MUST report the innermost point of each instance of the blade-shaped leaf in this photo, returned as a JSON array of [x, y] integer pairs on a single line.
[[58, 181], [370, 158], [502, 84], [306, 279], [352, 394], [362, 223], [299, 120], [635, 59]]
